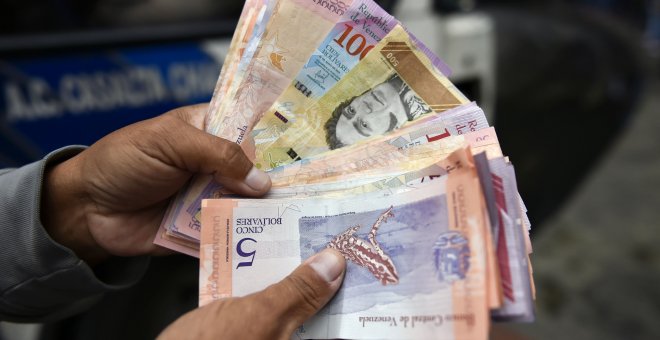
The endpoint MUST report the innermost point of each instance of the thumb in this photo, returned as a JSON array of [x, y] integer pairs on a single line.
[[201, 152], [303, 293]]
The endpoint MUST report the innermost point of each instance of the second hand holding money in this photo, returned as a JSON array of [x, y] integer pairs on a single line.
[[273, 313]]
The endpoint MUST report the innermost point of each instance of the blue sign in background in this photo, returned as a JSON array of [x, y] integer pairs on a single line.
[[47, 102]]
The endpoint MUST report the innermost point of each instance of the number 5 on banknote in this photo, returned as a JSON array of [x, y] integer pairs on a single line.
[[245, 254]]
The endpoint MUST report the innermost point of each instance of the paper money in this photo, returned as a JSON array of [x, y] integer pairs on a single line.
[[392, 161], [184, 220], [433, 277], [362, 25], [253, 15], [284, 46], [253, 20], [430, 136], [391, 85], [404, 150], [498, 180], [304, 91], [243, 67], [396, 181]]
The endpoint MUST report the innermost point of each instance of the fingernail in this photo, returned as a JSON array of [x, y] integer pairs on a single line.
[[257, 179], [327, 264]]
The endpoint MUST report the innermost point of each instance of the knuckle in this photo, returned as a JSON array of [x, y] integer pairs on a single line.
[[179, 112], [147, 134], [231, 153], [162, 129], [183, 113]]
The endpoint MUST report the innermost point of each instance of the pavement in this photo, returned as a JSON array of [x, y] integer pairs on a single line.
[[597, 262]]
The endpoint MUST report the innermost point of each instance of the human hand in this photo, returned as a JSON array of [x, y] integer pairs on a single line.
[[110, 199], [273, 313]]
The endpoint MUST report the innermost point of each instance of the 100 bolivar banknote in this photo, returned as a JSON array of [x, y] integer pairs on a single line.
[[394, 84], [416, 260]]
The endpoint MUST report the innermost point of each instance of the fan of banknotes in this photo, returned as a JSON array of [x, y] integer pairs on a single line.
[[372, 151]]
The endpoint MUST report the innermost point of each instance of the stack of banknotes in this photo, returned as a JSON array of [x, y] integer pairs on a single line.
[[372, 151]]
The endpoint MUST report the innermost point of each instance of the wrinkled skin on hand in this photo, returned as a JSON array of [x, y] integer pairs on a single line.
[[273, 313], [110, 199]]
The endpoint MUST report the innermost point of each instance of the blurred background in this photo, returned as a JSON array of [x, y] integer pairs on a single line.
[[572, 87]]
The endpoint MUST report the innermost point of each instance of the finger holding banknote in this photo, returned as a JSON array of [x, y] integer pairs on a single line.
[[273, 313], [110, 198]]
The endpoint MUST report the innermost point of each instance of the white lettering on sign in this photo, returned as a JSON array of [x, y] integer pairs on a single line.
[[38, 101], [105, 91]]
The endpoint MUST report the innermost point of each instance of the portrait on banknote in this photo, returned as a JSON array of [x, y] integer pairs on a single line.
[[379, 110]]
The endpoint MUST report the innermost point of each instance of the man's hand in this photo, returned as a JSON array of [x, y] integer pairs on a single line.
[[111, 198], [273, 313]]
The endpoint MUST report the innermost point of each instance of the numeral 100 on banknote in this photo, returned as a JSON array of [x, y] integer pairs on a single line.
[[351, 46]]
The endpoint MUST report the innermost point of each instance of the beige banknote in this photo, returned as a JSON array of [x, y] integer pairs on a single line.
[[390, 86], [362, 26], [253, 11], [285, 46], [400, 180], [385, 158], [431, 128]]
